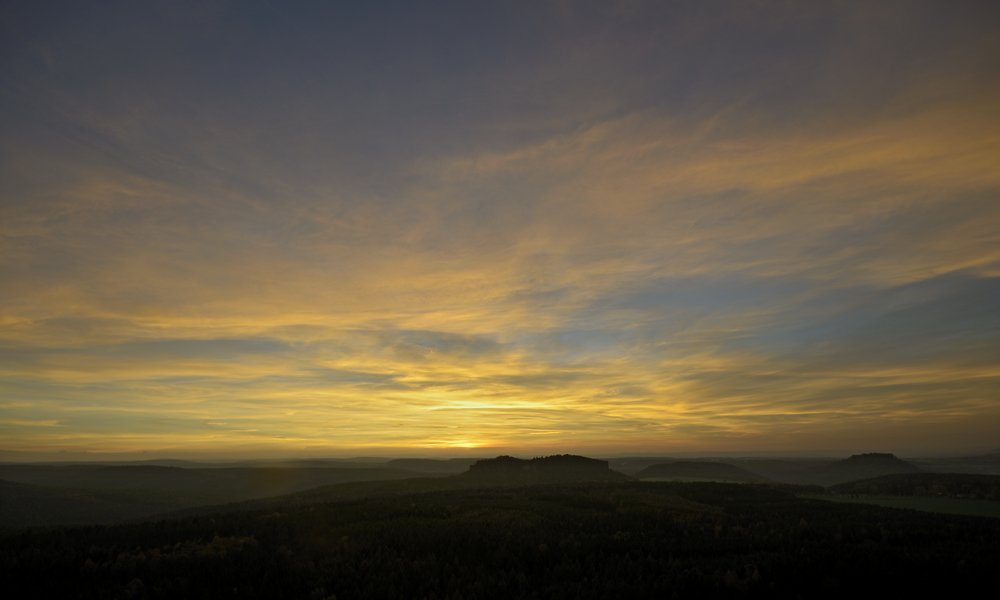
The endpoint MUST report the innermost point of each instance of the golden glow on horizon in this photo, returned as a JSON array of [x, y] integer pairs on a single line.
[[738, 273]]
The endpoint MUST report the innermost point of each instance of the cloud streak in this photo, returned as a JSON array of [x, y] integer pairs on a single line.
[[652, 228]]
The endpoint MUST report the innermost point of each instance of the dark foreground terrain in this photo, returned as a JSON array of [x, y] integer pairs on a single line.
[[605, 539]]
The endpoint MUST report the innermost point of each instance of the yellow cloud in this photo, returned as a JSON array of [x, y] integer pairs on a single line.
[[479, 303]]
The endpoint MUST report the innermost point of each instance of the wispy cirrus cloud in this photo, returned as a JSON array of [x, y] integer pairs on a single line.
[[641, 227]]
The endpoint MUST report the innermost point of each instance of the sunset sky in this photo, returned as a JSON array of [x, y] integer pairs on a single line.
[[271, 228]]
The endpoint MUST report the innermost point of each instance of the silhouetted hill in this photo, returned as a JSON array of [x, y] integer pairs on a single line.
[[798, 471], [634, 539], [236, 482], [561, 468], [27, 505], [630, 465], [503, 471], [924, 484], [785, 470], [863, 466], [692, 470], [100, 494]]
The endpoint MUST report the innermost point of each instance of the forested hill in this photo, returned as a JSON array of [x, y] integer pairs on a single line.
[[863, 466], [698, 470], [582, 540], [503, 471], [958, 485], [558, 462], [91, 494], [561, 468]]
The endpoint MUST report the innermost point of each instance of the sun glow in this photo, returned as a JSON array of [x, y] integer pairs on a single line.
[[304, 253]]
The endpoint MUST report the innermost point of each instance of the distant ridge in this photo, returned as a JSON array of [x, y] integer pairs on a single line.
[[959, 485], [688, 470], [560, 468], [863, 466], [556, 461], [431, 465], [502, 471]]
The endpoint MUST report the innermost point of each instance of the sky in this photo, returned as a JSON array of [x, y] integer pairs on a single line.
[[457, 228]]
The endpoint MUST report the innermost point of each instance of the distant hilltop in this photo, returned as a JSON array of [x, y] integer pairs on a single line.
[[864, 466], [544, 463], [873, 456], [560, 468]]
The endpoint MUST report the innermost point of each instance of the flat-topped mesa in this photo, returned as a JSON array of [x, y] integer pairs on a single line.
[[863, 466], [558, 469], [560, 462], [873, 456]]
